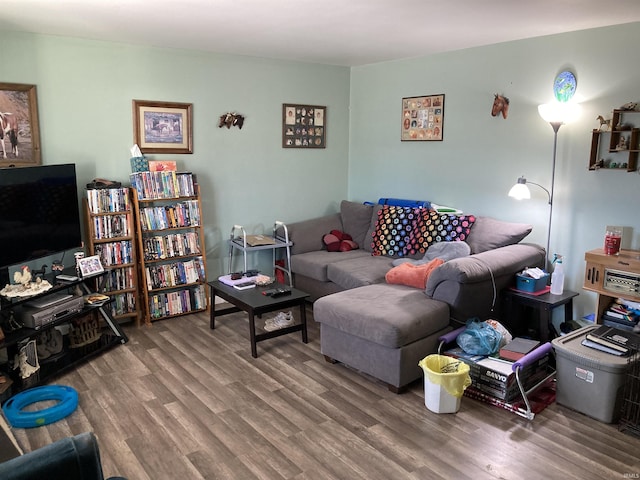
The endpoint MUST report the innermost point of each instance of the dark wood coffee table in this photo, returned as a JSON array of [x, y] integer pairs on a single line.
[[255, 304]]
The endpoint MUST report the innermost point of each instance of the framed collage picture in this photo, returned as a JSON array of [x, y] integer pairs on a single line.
[[422, 118], [303, 126]]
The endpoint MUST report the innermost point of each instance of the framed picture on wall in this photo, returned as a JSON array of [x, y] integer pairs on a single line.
[[20, 132], [303, 126], [422, 118], [163, 127]]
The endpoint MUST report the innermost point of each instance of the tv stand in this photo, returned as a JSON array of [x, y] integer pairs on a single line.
[[84, 333]]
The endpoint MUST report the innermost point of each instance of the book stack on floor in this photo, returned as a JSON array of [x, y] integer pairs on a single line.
[[612, 340], [518, 348], [495, 376], [621, 314]]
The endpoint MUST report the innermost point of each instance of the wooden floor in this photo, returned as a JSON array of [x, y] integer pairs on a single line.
[[181, 401]]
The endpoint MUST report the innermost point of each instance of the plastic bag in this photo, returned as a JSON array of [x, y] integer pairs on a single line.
[[479, 338]]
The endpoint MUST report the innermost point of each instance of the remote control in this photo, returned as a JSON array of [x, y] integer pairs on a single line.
[[281, 292], [66, 278]]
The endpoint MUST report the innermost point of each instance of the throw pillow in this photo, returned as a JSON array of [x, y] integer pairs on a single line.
[[392, 231], [443, 250], [412, 275], [431, 227], [489, 233], [337, 241]]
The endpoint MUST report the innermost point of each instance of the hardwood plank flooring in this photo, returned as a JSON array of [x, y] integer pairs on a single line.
[[181, 401]]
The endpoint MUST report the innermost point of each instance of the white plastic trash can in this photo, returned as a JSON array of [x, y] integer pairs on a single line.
[[445, 379]]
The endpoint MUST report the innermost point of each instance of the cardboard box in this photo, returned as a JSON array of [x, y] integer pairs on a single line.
[[139, 164]]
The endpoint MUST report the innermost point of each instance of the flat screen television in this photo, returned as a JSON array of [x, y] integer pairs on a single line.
[[39, 214]]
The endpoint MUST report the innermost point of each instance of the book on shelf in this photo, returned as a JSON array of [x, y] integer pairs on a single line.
[[617, 322], [615, 338], [518, 348]]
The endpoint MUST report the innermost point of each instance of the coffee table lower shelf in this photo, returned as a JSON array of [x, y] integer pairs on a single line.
[[255, 304]]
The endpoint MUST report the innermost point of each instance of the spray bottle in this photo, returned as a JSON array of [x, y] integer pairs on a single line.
[[557, 277]]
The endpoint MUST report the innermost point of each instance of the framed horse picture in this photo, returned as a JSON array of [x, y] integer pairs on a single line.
[[19, 129], [422, 118], [163, 127]]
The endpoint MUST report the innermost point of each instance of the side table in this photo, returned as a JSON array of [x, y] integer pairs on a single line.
[[544, 304], [254, 303]]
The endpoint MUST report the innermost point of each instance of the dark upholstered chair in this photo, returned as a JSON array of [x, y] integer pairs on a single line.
[[72, 458]]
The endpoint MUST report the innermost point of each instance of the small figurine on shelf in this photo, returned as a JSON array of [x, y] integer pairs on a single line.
[[604, 122], [629, 106], [622, 143]]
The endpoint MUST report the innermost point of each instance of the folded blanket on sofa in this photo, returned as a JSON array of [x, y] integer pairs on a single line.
[[413, 275]]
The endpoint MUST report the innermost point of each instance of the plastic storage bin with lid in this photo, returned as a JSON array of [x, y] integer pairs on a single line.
[[588, 380]]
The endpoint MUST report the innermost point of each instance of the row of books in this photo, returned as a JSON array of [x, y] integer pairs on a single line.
[[620, 316], [115, 253], [119, 279], [111, 226], [180, 215], [173, 245], [177, 302], [108, 200], [162, 184], [123, 303], [613, 340], [175, 274]]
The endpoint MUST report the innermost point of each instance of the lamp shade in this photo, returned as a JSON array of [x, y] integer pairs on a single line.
[[559, 113], [520, 191]]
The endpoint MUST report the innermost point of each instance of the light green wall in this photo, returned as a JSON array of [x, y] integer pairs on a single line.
[[482, 156], [85, 90]]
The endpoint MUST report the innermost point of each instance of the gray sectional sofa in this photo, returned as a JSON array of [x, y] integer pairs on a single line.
[[384, 329]]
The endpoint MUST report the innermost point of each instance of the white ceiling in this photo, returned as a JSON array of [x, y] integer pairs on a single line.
[[337, 32]]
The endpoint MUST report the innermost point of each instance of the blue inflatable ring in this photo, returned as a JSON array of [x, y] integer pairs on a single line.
[[66, 397]]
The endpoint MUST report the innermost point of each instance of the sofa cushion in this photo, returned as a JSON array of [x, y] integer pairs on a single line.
[[412, 275], [356, 218], [358, 271], [307, 235], [389, 315], [367, 244], [488, 233], [314, 264]]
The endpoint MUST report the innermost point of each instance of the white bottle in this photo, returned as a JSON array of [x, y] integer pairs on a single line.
[[557, 277]]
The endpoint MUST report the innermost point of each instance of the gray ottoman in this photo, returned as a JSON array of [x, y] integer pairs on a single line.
[[382, 330]]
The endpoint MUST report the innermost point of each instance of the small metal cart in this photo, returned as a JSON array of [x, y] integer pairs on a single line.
[[239, 240]]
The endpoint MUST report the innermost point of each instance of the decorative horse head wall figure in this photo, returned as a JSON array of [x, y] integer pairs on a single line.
[[500, 105], [231, 119]]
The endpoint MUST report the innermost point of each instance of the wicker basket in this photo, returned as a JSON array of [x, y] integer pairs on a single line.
[[84, 330]]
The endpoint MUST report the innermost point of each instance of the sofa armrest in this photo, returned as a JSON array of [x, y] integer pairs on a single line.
[[470, 285], [307, 234]]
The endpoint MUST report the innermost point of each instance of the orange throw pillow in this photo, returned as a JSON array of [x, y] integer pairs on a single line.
[[412, 275]]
